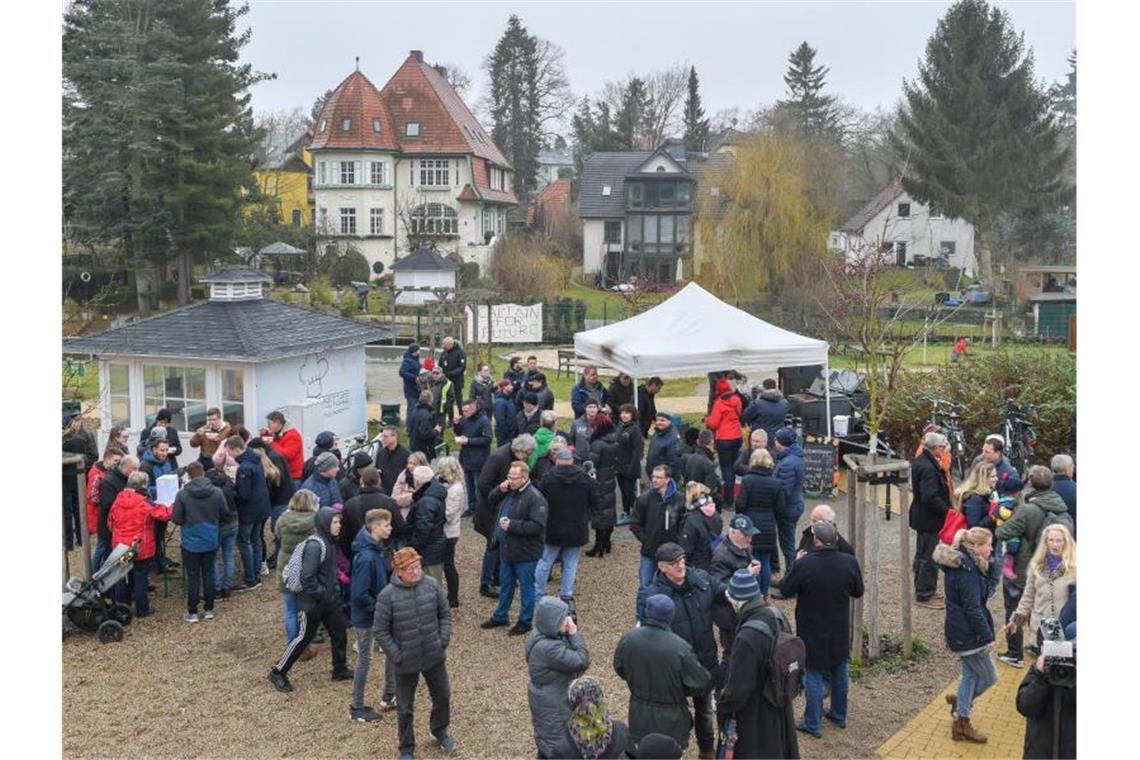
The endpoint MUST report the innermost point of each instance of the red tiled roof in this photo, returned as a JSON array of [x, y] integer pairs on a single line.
[[356, 99], [481, 172], [550, 199], [467, 194]]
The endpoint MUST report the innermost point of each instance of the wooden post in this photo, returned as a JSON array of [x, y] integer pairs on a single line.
[[855, 620], [85, 537], [861, 555], [904, 576], [871, 573]]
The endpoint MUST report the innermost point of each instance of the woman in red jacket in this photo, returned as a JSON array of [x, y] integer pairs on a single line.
[[724, 421], [132, 518]]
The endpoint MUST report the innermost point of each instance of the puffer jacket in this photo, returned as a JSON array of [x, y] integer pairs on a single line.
[[697, 531], [553, 661], [763, 499], [95, 476], [220, 480], [693, 601], [655, 518], [483, 389], [1026, 524], [767, 412], [969, 624], [790, 471], [409, 372], [454, 507], [703, 467], [133, 516], [287, 442], [252, 490], [663, 450], [603, 453], [505, 412], [412, 624], [475, 452], [582, 394], [320, 588], [527, 510], [327, 489], [291, 529], [580, 431], [571, 498], [627, 456], [199, 508], [424, 435], [369, 577], [724, 420], [429, 513]]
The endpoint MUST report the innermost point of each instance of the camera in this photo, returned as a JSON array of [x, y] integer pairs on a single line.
[[1060, 665]]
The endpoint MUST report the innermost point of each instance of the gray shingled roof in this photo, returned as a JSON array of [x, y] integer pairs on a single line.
[[874, 206], [258, 329], [610, 169], [236, 274], [424, 260]]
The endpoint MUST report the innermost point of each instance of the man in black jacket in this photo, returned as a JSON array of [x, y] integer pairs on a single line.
[[519, 535], [426, 426], [656, 515], [391, 459], [428, 515], [929, 504], [824, 582], [493, 473], [822, 513], [571, 497], [693, 592], [703, 466], [767, 412], [109, 488], [162, 421], [453, 362], [646, 403], [473, 433], [371, 497], [320, 603]]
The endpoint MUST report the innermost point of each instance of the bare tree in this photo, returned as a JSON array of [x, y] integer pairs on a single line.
[[666, 89], [555, 100], [457, 77], [278, 130]]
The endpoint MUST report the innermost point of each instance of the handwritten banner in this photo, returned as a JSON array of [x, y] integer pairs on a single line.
[[507, 323]]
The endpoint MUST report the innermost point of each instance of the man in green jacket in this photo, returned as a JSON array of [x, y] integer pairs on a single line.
[[1026, 524], [662, 671]]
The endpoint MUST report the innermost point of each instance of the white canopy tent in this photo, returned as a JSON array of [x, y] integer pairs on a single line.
[[694, 332]]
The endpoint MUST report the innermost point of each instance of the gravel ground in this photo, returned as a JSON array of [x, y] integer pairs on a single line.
[[174, 689]]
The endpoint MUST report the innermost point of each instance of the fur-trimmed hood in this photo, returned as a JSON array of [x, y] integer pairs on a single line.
[[947, 556]]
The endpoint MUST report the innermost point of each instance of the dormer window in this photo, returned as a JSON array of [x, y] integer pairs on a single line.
[[376, 126], [324, 125], [412, 129], [345, 124], [606, 190], [904, 211]]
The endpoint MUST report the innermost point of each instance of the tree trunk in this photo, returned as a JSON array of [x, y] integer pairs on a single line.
[[184, 270]]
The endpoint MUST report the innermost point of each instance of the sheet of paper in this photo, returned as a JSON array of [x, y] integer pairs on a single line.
[[167, 487]]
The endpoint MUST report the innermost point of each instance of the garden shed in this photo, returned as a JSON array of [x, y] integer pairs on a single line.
[[423, 268]]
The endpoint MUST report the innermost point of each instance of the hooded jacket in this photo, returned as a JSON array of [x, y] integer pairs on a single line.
[[132, 517], [655, 517], [603, 453], [663, 450], [172, 441], [326, 489], [95, 476], [424, 435], [545, 396], [199, 508], [767, 412], [581, 394], [252, 489], [1026, 524], [505, 413], [155, 469], [352, 516], [412, 624], [409, 372], [702, 466], [553, 660], [724, 419], [697, 532], [790, 471], [931, 495], [291, 529], [969, 625], [319, 586], [571, 498], [428, 515], [483, 390], [222, 482], [288, 443], [453, 362], [369, 577]]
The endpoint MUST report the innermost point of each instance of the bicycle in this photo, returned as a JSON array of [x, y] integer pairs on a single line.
[[947, 415], [1020, 435]]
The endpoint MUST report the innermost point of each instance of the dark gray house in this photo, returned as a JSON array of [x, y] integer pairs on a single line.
[[637, 215]]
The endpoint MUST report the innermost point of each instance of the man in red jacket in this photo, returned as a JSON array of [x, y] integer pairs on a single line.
[[286, 439]]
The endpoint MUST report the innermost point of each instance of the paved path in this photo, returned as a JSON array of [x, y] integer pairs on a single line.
[[994, 714]]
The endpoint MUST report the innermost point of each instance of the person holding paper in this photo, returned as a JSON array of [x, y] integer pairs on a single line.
[[210, 436]]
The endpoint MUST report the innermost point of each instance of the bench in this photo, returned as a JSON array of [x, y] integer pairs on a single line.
[[567, 361]]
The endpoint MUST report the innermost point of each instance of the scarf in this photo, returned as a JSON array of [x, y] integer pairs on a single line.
[[590, 725], [1052, 563]]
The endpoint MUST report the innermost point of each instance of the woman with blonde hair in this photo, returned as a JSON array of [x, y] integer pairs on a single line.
[[292, 527], [450, 473], [970, 579], [975, 495], [1049, 579], [699, 526], [763, 500]]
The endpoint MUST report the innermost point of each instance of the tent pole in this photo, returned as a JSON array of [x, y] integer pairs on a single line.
[[827, 394]]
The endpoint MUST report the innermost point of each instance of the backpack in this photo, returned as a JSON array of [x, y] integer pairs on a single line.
[[786, 659], [1063, 519], [291, 574]]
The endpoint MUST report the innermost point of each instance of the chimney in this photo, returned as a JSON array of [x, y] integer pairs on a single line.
[[441, 70], [418, 55]]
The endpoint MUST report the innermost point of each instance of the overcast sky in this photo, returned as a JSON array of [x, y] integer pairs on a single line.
[[740, 49]]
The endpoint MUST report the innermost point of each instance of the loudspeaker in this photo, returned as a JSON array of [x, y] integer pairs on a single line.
[[813, 410], [796, 379]]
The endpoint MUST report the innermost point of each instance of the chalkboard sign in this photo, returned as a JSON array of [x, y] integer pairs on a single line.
[[819, 467]]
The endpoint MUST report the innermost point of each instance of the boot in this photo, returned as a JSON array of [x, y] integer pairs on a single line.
[[952, 700], [609, 542], [599, 544], [963, 731]]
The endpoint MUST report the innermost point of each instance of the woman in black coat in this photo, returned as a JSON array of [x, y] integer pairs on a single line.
[[1035, 701], [762, 498], [603, 450], [628, 455]]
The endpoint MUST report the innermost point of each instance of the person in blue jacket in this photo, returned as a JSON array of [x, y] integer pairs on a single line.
[[369, 577], [589, 387], [156, 462], [790, 472], [767, 411], [253, 506], [200, 507], [323, 481], [1009, 481], [505, 413], [409, 372], [473, 433]]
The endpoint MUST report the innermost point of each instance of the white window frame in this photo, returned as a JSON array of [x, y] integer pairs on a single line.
[[435, 172], [187, 400], [412, 129], [121, 395], [322, 173], [376, 221], [376, 128], [322, 220], [347, 174], [346, 124], [348, 221], [378, 172], [434, 219]]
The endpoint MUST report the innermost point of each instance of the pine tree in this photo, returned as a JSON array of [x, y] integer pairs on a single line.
[[696, 125], [513, 68], [630, 121], [1064, 98], [814, 113], [976, 134]]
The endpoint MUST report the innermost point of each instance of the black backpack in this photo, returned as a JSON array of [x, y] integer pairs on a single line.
[[786, 659]]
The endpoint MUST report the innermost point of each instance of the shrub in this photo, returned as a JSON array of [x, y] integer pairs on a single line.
[[524, 267], [320, 292], [349, 267]]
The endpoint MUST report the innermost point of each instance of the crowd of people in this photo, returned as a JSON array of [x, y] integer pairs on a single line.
[[370, 543]]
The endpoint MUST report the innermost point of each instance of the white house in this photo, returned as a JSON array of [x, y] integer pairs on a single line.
[[914, 233], [396, 167], [551, 161], [424, 268], [239, 351]]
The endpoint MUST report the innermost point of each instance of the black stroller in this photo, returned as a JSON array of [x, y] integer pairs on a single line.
[[90, 605]]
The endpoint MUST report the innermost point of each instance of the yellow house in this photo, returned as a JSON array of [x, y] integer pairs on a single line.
[[285, 178]]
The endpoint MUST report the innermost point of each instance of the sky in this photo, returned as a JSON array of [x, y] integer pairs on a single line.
[[740, 49]]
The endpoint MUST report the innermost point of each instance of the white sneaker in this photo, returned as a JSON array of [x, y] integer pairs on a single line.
[[208, 615], [264, 569], [189, 618]]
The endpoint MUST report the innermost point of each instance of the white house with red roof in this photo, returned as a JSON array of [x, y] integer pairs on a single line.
[[914, 233], [408, 164]]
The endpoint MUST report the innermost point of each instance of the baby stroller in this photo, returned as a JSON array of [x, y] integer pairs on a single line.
[[90, 605]]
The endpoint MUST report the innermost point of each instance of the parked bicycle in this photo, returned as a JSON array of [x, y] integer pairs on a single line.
[[947, 415], [1020, 435]]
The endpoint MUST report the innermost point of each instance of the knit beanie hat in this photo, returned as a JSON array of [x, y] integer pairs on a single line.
[[785, 436], [661, 608], [743, 586], [325, 461]]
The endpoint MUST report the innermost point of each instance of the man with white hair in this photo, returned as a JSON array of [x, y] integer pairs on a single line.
[[1063, 483], [929, 503], [758, 439], [822, 513]]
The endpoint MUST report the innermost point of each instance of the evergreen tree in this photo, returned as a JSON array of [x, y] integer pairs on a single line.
[[318, 106], [1064, 98], [976, 134], [696, 125], [815, 114], [630, 122], [513, 68]]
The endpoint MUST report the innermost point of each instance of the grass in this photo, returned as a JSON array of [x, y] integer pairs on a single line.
[[604, 303], [891, 659], [85, 386]]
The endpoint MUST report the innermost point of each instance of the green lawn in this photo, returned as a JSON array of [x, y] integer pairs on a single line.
[[602, 303]]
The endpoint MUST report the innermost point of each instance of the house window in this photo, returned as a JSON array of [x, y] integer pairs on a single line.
[[434, 172], [324, 125], [935, 212], [182, 390], [612, 232], [684, 193], [322, 219], [633, 231], [606, 190], [346, 124], [233, 396], [376, 221], [904, 210], [348, 221], [666, 231], [497, 179], [684, 228], [650, 233], [298, 218], [321, 172], [500, 215], [435, 219], [635, 195], [947, 249], [119, 394], [665, 194], [412, 129], [378, 171], [348, 172], [376, 125]]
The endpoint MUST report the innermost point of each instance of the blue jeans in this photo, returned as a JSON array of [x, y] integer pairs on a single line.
[[570, 556], [227, 537], [765, 560], [978, 674], [135, 585], [726, 452], [786, 531], [490, 568], [411, 401], [249, 545], [102, 549], [813, 695], [471, 477], [509, 573], [292, 610], [646, 569]]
